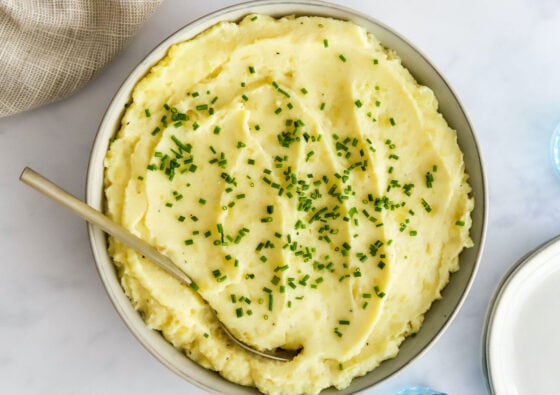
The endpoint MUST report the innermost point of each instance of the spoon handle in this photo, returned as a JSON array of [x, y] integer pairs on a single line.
[[94, 217]]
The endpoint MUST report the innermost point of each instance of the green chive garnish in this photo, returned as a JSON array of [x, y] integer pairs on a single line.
[[426, 206]]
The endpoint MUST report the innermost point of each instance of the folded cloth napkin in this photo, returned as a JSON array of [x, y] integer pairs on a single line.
[[50, 48]]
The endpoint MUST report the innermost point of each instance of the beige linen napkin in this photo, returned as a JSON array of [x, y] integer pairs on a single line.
[[50, 48]]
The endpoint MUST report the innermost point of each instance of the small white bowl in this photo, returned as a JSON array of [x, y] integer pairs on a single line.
[[441, 313]]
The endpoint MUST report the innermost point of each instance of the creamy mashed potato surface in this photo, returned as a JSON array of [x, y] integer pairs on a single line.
[[297, 172]]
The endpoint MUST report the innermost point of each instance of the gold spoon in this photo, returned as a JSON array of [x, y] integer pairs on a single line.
[[94, 217]]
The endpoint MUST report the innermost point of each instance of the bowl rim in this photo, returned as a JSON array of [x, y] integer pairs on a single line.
[[221, 15], [494, 305]]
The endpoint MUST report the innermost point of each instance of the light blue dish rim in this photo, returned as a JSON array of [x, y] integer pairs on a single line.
[[555, 149]]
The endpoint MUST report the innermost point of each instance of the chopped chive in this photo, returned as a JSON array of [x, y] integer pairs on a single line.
[[239, 312], [342, 57], [189, 242], [251, 70], [460, 223], [182, 146], [155, 131], [202, 107], [344, 322], [392, 121], [278, 110], [304, 91], [322, 106], [426, 206], [375, 61], [147, 112], [217, 130], [251, 161], [429, 179], [326, 43], [358, 103], [181, 218]]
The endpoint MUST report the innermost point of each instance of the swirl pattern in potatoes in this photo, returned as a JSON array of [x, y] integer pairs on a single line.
[[298, 173]]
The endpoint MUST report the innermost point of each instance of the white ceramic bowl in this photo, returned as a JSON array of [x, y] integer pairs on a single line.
[[441, 312]]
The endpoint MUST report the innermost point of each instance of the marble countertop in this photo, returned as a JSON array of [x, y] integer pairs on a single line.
[[59, 332]]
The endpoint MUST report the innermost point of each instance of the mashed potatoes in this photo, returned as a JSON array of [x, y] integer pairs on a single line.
[[303, 179]]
